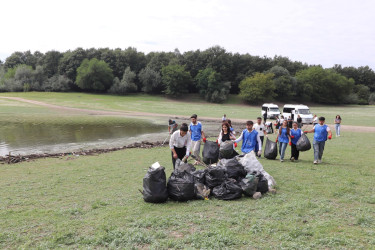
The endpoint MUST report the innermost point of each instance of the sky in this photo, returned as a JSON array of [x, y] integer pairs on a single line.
[[325, 32]]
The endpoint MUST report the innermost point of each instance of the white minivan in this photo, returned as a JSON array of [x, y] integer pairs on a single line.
[[271, 109], [293, 110]]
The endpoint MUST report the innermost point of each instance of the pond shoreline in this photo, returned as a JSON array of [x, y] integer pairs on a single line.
[[12, 159]]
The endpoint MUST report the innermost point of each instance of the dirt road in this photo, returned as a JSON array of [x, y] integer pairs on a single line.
[[351, 128]]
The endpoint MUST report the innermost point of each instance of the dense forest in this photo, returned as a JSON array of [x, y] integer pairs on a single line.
[[213, 73]]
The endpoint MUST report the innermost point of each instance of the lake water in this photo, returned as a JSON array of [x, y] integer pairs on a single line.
[[28, 138]]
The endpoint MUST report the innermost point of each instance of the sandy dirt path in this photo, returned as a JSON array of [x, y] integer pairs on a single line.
[[351, 128]]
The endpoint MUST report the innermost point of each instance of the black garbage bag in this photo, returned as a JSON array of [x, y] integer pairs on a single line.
[[215, 176], [226, 150], [182, 166], [210, 152], [228, 190], [181, 186], [234, 169], [303, 143], [262, 182], [201, 191], [249, 185], [199, 176], [154, 186], [270, 150]]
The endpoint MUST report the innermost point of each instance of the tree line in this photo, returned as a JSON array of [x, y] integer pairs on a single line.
[[214, 73]]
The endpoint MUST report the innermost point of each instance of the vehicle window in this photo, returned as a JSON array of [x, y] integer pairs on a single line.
[[264, 108], [304, 111], [288, 110], [274, 110]]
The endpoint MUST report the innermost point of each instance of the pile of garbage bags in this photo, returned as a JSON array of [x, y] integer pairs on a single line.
[[229, 179]]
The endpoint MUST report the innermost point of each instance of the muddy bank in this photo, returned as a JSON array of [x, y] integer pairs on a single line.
[[11, 159]]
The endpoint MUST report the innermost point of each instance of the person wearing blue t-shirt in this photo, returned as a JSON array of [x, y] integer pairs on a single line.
[[320, 131], [197, 134], [250, 139], [283, 137], [295, 134]]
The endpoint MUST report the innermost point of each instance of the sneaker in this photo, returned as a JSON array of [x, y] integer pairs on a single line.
[[281, 160], [315, 162], [292, 159], [319, 161]]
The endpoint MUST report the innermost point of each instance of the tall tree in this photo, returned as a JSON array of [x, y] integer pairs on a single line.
[[50, 62], [94, 75], [258, 88], [151, 81], [211, 86], [325, 85], [175, 79]]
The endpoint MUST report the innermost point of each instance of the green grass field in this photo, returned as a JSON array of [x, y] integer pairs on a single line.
[[351, 114], [94, 202]]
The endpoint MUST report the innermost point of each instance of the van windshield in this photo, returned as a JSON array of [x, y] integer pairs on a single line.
[[304, 111], [288, 110], [274, 110]]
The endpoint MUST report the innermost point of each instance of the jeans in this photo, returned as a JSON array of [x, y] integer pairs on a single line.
[[337, 125], [318, 150], [282, 148]]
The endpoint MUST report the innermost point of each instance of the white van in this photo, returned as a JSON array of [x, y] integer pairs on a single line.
[[293, 110], [271, 109]]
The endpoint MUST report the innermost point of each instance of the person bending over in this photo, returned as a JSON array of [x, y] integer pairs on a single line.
[[180, 143]]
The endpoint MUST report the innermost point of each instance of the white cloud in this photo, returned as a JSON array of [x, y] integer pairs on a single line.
[[316, 32]]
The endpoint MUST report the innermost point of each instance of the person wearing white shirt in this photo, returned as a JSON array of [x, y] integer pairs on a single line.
[[180, 143], [261, 129]]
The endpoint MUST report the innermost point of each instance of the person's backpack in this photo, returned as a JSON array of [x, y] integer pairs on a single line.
[[270, 150], [303, 143], [210, 152]]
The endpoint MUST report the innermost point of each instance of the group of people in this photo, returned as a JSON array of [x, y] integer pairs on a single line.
[[189, 137]]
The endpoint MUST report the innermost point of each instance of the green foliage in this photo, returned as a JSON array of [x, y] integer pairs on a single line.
[[362, 75], [57, 83], [50, 62], [371, 99], [126, 85], [363, 93], [70, 62], [258, 88], [151, 81], [211, 87], [285, 84], [94, 75], [326, 85], [175, 79]]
